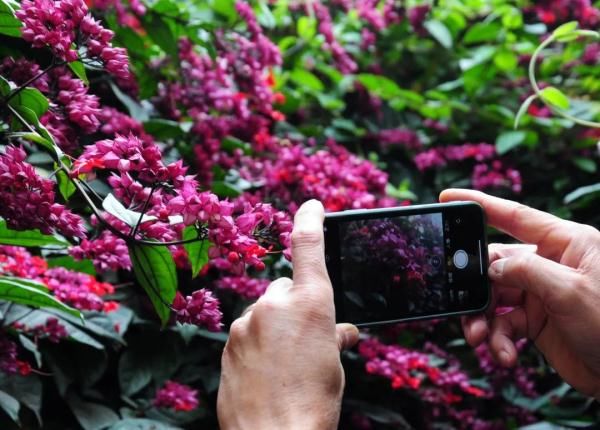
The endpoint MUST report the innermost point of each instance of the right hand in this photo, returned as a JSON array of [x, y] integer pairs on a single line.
[[554, 290]]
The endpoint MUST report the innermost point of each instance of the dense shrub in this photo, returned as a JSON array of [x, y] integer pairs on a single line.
[[153, 152]]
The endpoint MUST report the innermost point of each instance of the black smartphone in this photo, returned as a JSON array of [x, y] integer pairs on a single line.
[[407, 263]]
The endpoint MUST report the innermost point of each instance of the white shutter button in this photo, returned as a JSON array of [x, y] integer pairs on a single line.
[[461, 259]]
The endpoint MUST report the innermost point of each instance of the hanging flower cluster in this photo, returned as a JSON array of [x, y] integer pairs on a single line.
[[79, 290], [176, 396]]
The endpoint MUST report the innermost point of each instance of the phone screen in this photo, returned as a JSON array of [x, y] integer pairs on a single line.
[[403, 264]]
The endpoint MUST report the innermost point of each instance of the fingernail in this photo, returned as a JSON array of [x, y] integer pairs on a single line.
[[496, 269], [504, 357]]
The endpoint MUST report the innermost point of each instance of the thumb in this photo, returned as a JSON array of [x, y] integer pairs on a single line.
[[551, 282], [347, 336]]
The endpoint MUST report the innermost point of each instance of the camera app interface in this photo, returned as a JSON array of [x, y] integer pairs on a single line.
[[393, 267]]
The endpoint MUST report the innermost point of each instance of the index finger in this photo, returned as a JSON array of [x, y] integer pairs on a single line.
[[521, 222], [308, 245]]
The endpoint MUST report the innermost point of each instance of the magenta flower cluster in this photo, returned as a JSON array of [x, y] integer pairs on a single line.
[[52, 330], [79, 290], [245, 286], [333, 175], [64, 27], [176, 396], [201, 309], [28, 199]]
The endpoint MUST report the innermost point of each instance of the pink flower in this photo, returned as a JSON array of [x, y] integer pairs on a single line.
[[201, 308], [249, 288], [27, 200], [108, 252], [178, 397]]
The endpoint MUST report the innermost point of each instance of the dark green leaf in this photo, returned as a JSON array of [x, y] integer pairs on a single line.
[[77, 68], [9, 404], [305, 79], [32, 99], [9, 23], [482, 32], [223, 189], [28, 238], [555, 97], [440, 32], [91, 416], [31, 347], [509, 140], [197, 251], [230, 144], [154, 269], [68, 262], [163, 129], [26, 389], [586, 164], [132, 375], [136, 110], [20, 292], [161, 33]]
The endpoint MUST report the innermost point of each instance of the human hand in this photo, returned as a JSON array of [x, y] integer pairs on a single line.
[[281, 366], [554, 290]]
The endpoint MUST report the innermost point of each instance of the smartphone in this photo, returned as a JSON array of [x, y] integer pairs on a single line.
[[407, 263]]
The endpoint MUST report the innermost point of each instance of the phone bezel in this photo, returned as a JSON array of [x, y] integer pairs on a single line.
[[416, 210]]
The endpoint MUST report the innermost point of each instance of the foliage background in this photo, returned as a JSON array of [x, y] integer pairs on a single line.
[[426, 93]]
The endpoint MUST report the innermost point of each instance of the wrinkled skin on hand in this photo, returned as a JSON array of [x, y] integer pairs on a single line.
[[552, 284], [281, 366]]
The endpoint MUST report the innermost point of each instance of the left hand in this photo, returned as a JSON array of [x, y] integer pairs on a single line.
[[281, 366]]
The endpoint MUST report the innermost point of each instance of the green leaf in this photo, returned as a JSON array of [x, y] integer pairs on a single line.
[[10, 25], [197, 251], [163, 129], [65, 185], [555, 97], [68, 262], [28, 238], [225, 8], [10, 405], [482, 32], [380, 85], [306, 27], [20, 292], [586, 164], [565, 29], [31, 347], [506, 61], [77, 68], [509, 140], [231, 143], [581, 192], [440, 32], [154, 269], [32, 99], [132, 375], [91, 416], [306, 79], [223, 189], [162, 34], [524, 108], [26, 389]]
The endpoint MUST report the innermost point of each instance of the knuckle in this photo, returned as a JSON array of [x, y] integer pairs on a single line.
[[308, 237], [237, 331], [587, 232]]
